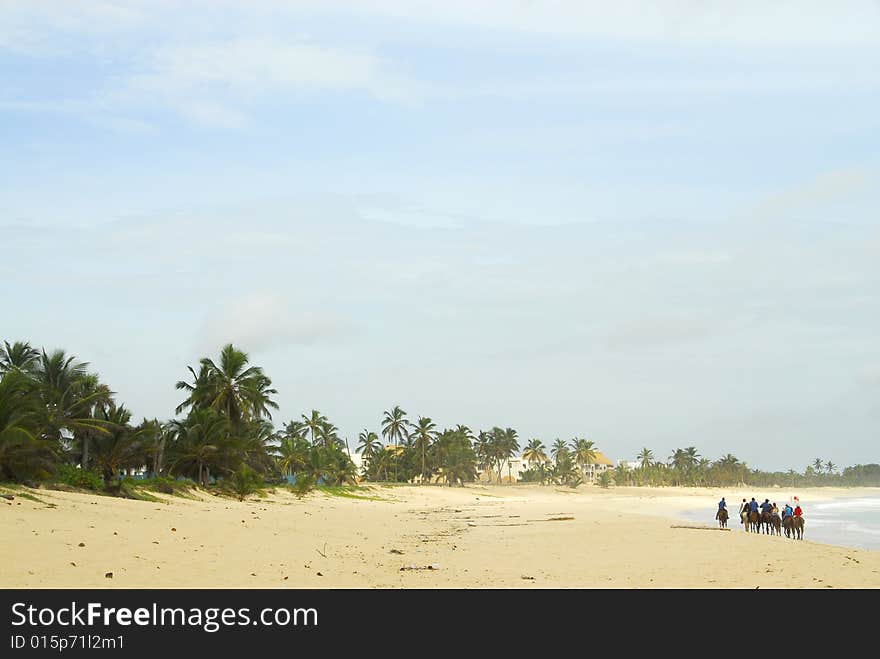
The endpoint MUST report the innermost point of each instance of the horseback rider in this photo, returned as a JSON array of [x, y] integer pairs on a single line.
[[765, 507], [774, 510], [753, 506], [787, 511], [743, 508], [798, 512], [722, 505]]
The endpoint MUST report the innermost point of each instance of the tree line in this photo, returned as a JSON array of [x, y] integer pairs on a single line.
[[59, 421]]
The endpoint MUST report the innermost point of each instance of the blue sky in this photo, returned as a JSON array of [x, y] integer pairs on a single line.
[[653, 225]]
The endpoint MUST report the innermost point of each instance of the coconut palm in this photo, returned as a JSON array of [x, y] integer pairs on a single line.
[[201, 441], [395, 429], [830, 467], [368, 444], [314, 424], [509, 448], [292, 453], [534, 452], [483, 451], [329, 435], [459, 459], [232, 388], [584, 453], [645, 458], [818, 465], [120, 446], [23, 452], [559, 448], [69, 397], [423, 433], [19, 356]]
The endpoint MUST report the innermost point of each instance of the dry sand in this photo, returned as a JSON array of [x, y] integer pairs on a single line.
[[523, 536]]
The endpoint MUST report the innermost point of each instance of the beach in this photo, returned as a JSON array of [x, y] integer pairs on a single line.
[[479, 536]]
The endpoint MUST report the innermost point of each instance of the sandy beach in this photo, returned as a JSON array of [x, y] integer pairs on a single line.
[[523, 536]]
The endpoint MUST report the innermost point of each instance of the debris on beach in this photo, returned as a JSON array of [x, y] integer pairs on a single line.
[[173, 530], [432, 566], [471, 524], [559, 519], [528, 578], [108, 575], [82, 544], [395, 551], [8, 497], [698, 528]]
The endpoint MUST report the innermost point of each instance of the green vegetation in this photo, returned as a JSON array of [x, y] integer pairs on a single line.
[[59, 423]]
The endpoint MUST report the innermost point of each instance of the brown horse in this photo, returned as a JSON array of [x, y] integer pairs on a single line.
[[794, 527], [755, 521], [721, 516], [774, 524]]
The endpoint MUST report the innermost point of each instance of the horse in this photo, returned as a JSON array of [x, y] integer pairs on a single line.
[[755, 521], [765, 521], [794, 527], [722, 516], [744, 519], [771, 523]]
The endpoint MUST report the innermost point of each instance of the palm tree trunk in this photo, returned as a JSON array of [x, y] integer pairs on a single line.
[[84, 462]]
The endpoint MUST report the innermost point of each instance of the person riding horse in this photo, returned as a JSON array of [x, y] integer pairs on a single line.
[[722, 515]]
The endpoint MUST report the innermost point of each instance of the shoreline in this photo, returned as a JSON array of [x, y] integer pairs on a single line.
[[478, 536]]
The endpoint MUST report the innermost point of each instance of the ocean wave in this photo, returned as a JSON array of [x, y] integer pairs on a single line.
[[850, 504]]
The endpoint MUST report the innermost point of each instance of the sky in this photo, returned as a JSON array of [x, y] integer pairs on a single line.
[[649, 224]]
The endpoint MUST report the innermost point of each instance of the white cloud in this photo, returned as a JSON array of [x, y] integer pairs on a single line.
[[262, 321]]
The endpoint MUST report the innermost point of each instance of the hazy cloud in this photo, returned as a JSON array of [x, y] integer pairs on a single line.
[[263, 321]]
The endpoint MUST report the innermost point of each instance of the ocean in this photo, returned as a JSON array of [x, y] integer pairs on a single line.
[[847, 522]]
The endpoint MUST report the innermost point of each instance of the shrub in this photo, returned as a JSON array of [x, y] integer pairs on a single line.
[[244, 482], [76, 477], [304, 484]]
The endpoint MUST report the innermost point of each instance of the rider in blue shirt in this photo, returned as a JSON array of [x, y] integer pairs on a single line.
[[753, 505], [766, 506], [722, 505], [787, 511]]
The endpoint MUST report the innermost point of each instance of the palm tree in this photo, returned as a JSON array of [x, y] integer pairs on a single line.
[[69, 397], [584, 453], [830, 467], [233, 388], [424, 432], [368, 446], [19, 356], [645, 458], [483, 452], [535, 452], [329, 435], [22, 450], [559, 448], [314, 424], [292, 453], [200, 442], [818, 465], [395, 429], [120, 446], [510, 447]]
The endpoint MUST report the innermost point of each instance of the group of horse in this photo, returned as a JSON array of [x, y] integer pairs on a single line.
[[768, 522]]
